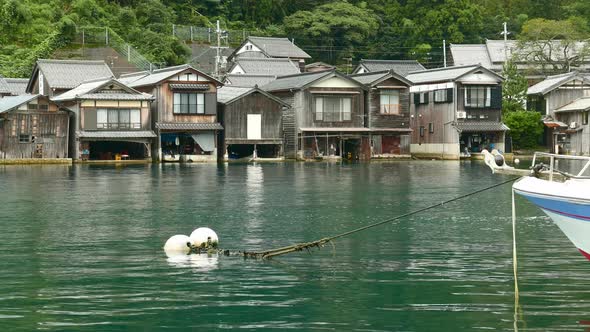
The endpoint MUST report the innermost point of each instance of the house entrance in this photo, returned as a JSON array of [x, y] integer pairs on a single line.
[[351, 148]]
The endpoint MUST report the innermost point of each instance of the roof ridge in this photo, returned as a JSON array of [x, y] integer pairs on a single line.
[[261, 37], [250, 75], [99, 79], [165, 69], [390, 60], [79, 61], [308, 73], [263, 59], [145, 72], [371, 73]]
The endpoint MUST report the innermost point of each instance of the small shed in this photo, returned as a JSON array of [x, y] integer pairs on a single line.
[[253, 123]]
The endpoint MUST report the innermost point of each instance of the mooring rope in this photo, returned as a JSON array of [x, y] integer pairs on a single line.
[[321, 242]]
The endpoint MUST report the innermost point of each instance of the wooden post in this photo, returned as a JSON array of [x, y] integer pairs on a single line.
[[106, 35]]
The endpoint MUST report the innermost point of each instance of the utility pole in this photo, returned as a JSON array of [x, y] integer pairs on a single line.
[[505, 33], [445, 53], [218, 48]]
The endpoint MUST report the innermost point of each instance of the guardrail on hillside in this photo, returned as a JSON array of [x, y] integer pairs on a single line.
[[106, 36]]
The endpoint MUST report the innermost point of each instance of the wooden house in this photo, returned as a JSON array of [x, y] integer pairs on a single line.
[[4, 88], [270, 47], [388, 112], [326, 118], [253, 123], [111, 121], [318, 66], [400, 67], [184, 112], [31, 126], [455, 111], [17, 86], [54, 77], [563, 102]]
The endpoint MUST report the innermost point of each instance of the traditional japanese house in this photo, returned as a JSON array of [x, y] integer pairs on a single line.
[[31, 126], [184, 112], [112, 121], [54, 77], [563, 102], [456, 111], [270, 47], [400, 67], [326, 118], [17, 86], [253, 123], [388, 113], [4, 88], [318, 66]]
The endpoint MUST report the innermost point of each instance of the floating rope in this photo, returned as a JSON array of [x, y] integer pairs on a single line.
[[321, 242]]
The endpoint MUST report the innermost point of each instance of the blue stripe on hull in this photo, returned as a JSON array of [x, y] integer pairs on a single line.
[[573, 210]]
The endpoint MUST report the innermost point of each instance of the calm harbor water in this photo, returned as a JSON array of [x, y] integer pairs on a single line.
[[81, 250]]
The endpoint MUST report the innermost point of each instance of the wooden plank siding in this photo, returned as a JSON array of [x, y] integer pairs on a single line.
[[491, 114], [163, 106], [379, 120], [235, 117], [306, 115]]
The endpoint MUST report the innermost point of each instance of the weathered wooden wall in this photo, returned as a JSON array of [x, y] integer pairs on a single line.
[[378, 120], [235, 117]]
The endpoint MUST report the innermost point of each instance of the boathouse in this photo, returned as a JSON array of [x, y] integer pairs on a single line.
[[388, 113], [564, 102], [455, 112], [184, 110], [253, 123], [326, 118], [112, 121], [31, 126]]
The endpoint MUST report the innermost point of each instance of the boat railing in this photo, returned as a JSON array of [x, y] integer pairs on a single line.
[[553, 158]]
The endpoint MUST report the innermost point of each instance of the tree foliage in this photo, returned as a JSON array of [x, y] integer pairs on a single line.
[[514, 89], [526, 128]]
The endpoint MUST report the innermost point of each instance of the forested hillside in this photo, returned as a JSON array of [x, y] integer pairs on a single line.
[[331, 31]]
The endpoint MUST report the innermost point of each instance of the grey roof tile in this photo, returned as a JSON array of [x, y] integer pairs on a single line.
[[552, 82], [89, 90], [188, 126], [580, 104], [228, 94], [145, 78], [248, 80], [17, 86], [440, 74], [295, 81], [402, 67], [4, 89], [278, 47], [116, 134], [376, 77], [267, 66], [189, 86], [468, 127], [67, 74], [470, 54]]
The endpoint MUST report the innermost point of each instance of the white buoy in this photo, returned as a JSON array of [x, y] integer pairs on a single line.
[[177, 245], [201, 235], [517, 161]]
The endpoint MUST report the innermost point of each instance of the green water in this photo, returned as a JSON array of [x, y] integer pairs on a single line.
[[80, 250]]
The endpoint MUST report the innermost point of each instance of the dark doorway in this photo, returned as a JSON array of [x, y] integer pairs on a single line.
[[268, 150], [113, 150], [351, 147], [238, 151], [390, 144]]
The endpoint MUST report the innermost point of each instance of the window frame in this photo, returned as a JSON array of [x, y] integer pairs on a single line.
[[24, 138], [485, 101], [422, 131], [431, 128], [383, 110], [118, 125], [188, 103], [585, 117], [332, 116]]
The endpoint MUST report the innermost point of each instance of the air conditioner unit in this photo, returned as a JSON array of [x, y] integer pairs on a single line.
[[573, 125], [461, 115]]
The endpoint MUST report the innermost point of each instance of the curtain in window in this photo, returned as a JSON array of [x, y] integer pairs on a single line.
[[319, 109], [114, 119], [124, 120], [101, 119], [201, 103], [135, 119]]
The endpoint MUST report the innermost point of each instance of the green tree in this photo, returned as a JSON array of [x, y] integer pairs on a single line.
[[336, 28], [514, 89], [526, 128]]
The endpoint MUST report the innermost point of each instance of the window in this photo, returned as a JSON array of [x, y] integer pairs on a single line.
[[24, 138], [585, 118], [478, 96], [44, 107], [389, 103], [443, 95], [431, 128], [189, 103], [421, 98], [332, 109], [32, 106], [248, 47], [118, 119], [421, 131]]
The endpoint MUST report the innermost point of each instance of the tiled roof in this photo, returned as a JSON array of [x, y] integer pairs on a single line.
[[469, 127], [552, 82], [248, 80], [4, 89], [580, 104], [17, 86], [117, 134], [376, 77], [402, 67], [189, 86], [11, 102], [470, 54], [146, 78], [228, 94], [267, 66], [278, 47], [88, 90], [295, 81], [440, 74], [67, 74], [189, 126]]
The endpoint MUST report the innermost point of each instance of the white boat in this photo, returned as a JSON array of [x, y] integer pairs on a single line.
[[566, 202]]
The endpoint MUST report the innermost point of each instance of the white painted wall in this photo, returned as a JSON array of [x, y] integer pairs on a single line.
[[254, 123], [479, 78], [248, 47], [335, 82], [237, 70]]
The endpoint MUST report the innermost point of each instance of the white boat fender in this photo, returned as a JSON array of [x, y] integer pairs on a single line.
[[178, 245], [517, 161], [204, 237]]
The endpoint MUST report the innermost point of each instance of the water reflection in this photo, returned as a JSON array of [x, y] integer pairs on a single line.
[[198, 262]]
